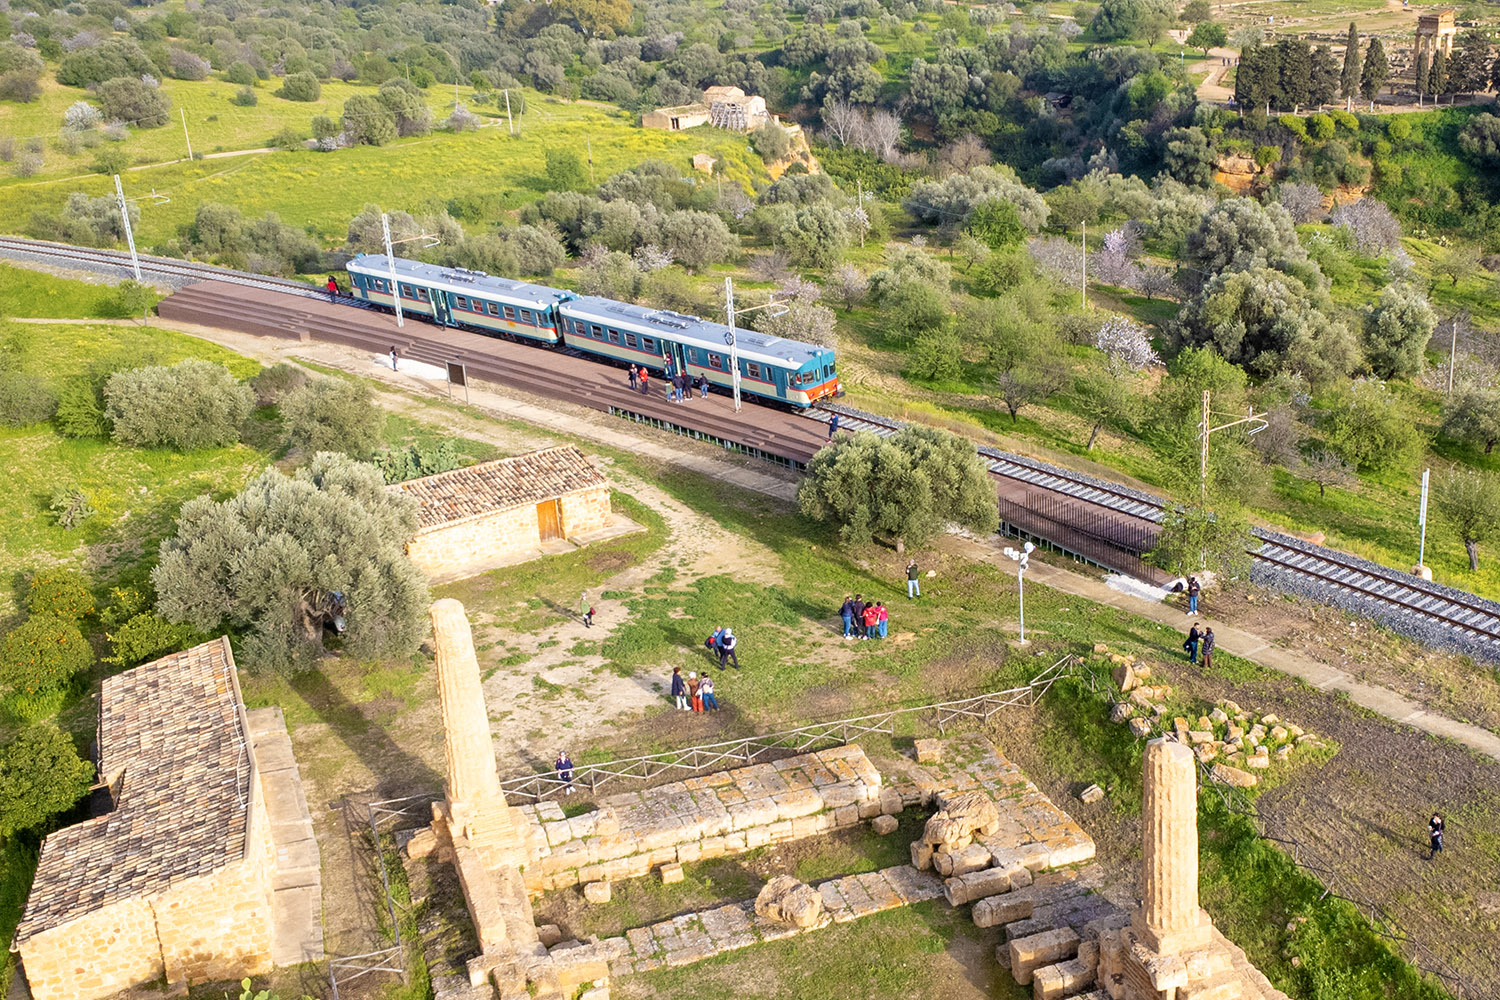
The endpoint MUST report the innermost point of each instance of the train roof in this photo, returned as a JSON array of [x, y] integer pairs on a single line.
[[691, 330], [461, 280]]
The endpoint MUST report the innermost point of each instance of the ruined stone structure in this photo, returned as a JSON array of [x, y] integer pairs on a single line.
[[179, 880], [722, 107], [484, 515], [1435, 33]]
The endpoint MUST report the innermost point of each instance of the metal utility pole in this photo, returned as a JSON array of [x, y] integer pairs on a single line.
[[731, 338], [589, 144], [185, 132], [1084, 285], [508, 118], [390, 263], [1422, 523], [1206, 428], [135, 262]]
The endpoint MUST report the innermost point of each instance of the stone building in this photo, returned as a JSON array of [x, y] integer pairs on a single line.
[[722, 107], [179, 879], [1435, 33], [676, 119], [485, 515]]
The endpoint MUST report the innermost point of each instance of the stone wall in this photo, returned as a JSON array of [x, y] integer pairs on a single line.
[[473, 545], [217, 926]]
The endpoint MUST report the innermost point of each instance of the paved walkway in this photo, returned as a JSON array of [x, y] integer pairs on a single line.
[[1238, 642]]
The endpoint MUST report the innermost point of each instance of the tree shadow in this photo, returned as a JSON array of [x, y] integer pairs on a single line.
[[398, 771]]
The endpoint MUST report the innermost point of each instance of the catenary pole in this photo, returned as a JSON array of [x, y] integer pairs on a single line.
[[390, 263], [135, 262]]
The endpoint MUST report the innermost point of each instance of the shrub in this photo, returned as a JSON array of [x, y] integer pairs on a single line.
[[41, 775], [1321, 126], [332, 415], [245, 97], [193, 404], [110, 161], [275, 382], [133, 101], [131, 298], [43, 653], [300, 87], [1367, 426], [80, 409], [240, 72], [147, 636], [1294, 125], [25, 399], [70, 507], [62, 593]]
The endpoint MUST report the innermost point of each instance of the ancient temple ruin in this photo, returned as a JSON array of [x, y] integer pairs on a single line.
[[1435, 33]]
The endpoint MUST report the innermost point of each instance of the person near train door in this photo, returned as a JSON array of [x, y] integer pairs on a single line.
[[1208, 648], [1435, 835], [702, 386], [333, 288], [833, 426], [1193, 587], [913, 585], [727, 642], [635, 376]]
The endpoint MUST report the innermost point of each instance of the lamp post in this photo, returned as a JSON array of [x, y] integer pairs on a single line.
[[1022, 559], [732, 337]]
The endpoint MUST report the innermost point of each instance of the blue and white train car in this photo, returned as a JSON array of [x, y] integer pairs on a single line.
[[453, 296], [786, 371]]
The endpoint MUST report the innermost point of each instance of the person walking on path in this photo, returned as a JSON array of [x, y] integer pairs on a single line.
[[1191, 645], [913, 585], [702, 386], [585, 610], [1435, 835], [1192, 591], [706, 691], [635, 376], [679, 690], [1208, 648], [393, 357], [859, 616], [872, 619], [333, 288], [833, 426], [564, 766], [880, 617], [727, 642], [846, 612]]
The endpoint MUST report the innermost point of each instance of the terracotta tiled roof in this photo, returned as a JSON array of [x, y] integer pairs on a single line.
[[500, 485], [171, 732]]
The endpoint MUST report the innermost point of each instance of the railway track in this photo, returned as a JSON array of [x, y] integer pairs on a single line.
[[1427, 611]]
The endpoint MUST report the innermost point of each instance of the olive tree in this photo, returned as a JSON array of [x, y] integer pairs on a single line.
[[1468, 501], [1397, 330], [697, 239], [903, 488], [267, 563], [1472, 415], [192, 404], [330, 414]]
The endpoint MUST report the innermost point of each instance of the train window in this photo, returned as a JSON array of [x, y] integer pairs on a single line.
[[461, 301], [422, 295], [614, 336], [649, 343], [631, 340], [493, 309], [406, 291], [752, 369], [597, 331], [510, 313], [526, 316], [715, 361]]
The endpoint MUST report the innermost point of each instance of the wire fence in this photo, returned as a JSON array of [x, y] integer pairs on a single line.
[[1465, 983], [688, 761]]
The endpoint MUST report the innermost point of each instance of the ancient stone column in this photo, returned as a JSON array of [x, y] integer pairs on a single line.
[[467, 746], [1170, 916]]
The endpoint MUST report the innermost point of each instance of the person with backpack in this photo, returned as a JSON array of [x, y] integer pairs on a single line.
[[706, 691], [872, 620], [712, 642], [679, 690], [1191, 645], [727, 642], [880, 617], [846, 612], [1208, 649], [585, 610]]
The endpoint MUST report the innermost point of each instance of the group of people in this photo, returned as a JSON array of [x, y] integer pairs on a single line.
[[1200, 639], [862, 620], [723, 642], [693, 692], [680, 385]]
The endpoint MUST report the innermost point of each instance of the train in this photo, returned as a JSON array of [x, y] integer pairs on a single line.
[[772, 369]]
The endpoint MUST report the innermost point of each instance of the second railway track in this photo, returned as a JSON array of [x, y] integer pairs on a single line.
[[1431, 612]]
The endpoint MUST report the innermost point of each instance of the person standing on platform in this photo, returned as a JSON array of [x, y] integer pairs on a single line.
[[645, 381], [702, 386], [393, 357], [635, 376], [333, 288], [833, 426]]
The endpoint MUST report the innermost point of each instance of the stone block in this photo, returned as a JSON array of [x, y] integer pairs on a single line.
[[548, 934], [1261, 759], [597, 892], [975, 857], [1030, 953], [1091, 794], [1124, 676], [1006, 908], [884, 825], [846, 816], [786, 900], [1061, 979], [929, 751], [671, 873], [1121, 712], [1200, 736], [423, 843], [870, 808], [1100, 647], [1140, 728], [891, 801], [576, 966], [921, 856]]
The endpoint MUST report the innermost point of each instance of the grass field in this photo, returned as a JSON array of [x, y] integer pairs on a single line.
[[24, 292], [322, 191]]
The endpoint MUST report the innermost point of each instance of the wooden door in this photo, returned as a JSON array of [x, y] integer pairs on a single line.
[[548, 520]]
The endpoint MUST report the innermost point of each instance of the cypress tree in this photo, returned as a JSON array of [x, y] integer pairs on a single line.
[[1424, 67], [1437, 80], [1376, 69], [1495, 74], [1294, 60], [1349, 82], [1323, 81]]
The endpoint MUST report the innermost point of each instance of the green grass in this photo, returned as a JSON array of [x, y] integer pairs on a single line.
[[24, 292], [321, 191]]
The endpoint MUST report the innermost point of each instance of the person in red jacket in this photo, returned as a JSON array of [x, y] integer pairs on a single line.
[[333, 288], [872, 620]]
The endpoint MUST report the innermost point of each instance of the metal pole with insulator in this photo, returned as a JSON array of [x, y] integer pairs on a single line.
[[135, 262], [390, 263]]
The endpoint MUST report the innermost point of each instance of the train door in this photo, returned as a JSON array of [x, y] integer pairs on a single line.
[[677, 354], [440, 307]]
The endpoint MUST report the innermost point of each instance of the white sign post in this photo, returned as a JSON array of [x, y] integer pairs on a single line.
[[1422, 569]]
